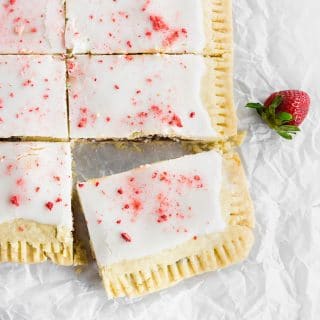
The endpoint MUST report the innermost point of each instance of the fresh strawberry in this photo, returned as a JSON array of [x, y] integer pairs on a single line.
[[294, 102], [284, 111]]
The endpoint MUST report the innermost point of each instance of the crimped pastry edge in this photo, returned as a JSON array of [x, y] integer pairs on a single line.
[[207, 253], [25, 241], [218, 27]]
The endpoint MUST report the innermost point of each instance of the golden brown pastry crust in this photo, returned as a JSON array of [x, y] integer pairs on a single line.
[[153, 273], [24, 241], [217, 96], [206, 253], [218, 26]]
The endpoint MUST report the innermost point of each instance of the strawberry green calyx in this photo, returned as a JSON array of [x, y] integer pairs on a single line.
[[278, 121]]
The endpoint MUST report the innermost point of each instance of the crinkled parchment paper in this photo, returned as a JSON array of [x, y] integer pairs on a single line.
[[277, 46]]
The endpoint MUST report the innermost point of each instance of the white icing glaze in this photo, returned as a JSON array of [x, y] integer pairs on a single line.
[[126, 26], [35, 175], [32, 96], [118, 96], [32, 26], [158, 206]]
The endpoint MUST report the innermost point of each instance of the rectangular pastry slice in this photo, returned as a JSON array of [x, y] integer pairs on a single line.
[[32, 26], [35, 203], [133, 96], [33, 97], [155, 225], [149, 26]]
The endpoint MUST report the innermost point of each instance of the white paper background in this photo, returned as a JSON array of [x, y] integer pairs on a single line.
[[277, 46]]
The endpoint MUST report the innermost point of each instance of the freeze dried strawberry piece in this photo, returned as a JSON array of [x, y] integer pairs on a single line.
[[175, 121], [49, 205], [126, 237], [158, 24], [15, 200]]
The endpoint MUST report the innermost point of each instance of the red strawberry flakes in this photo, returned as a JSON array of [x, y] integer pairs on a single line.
[[158, 24], [125, 237], [15, 200], [49, 205]]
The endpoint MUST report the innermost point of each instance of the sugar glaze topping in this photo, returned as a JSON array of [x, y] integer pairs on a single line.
[[120, 96], [32, 96], [125, 26], [36, 182], [154, 207], [32, 26]]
